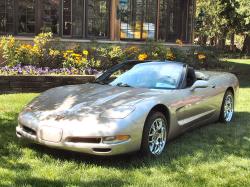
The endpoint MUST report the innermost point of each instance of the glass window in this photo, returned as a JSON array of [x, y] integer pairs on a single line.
[[98, 18], [26, 16], [6, 16], [50, 16], [73, 11], [77, 18], [151, 75], [138, 19], [173, 20]]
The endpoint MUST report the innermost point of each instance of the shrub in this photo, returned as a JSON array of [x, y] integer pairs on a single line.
[[131, 52], [27, 55], [9, 46], [55, 58], [74, 60], [154, 50], [107, 56], [47, 53], [170, 55], [43, 45]]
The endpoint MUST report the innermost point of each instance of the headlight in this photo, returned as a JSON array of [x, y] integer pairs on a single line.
[[115, 139], [118, 113]]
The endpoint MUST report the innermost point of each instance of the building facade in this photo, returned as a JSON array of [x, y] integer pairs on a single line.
[[129, 20]]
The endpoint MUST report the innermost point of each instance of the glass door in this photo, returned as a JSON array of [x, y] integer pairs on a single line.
[[6, 16], [98, 18], [73, 18], [50, 16], [26, 17]]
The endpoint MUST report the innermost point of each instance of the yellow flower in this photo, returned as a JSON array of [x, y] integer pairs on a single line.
[[179, 42], [69, 51], [85, 52], [65, 55], [76, 55], [132, 50], [54, 53], [35, 49], [142, 57], [170, 55], [201, 56], [154, 54]]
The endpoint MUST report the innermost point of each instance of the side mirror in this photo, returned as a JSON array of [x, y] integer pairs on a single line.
[[199, 84]]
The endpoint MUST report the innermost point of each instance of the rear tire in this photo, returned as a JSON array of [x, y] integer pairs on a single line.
[[227, 108], [154, 135]]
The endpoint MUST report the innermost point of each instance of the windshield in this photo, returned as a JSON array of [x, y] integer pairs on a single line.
[[151, 75]]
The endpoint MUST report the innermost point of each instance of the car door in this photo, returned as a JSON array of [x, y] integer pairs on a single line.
[[196, 105]]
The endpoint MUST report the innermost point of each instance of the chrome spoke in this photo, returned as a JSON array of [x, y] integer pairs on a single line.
[[157, 136], [228, 108]]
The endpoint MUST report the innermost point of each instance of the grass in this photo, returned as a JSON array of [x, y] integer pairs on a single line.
[[214, 155]]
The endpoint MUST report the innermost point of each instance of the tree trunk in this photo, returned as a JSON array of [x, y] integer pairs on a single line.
[[203, 40], [212, 41], [246, 45], [232, 47]]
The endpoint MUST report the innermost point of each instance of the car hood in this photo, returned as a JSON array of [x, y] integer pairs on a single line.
[[86, 99]]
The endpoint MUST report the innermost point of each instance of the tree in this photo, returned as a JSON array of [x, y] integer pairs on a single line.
[[244, 10], [221, 18]]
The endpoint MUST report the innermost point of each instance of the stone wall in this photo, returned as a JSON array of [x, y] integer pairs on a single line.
[[10, 84]]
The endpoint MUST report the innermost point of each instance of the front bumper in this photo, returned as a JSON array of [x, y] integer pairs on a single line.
[[88, 148]]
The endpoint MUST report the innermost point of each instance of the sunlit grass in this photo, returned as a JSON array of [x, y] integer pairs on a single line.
[[214, 155]]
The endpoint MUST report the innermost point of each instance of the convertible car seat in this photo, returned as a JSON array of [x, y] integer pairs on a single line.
[[191, 77]]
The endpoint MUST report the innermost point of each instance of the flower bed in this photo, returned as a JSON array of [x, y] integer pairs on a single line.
[[33, 70], [53, 57]]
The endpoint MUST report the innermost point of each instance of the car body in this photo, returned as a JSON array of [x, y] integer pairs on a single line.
[[106, 119]]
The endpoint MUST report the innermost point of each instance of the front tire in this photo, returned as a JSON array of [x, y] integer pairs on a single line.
[[154, 135], [227, 108]]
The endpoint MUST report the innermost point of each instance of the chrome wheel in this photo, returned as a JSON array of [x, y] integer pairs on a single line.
[[228, 108], [157, 136]]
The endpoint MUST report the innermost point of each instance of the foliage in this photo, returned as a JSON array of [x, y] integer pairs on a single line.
[[75, 60], [27, 54], [170, 55], [44, 53], [108, 56], [55, 58], [154, 50], [217, 20], [131, 52], [8, 48]]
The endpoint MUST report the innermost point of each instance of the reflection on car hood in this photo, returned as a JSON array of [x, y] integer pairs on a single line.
[[87, 98]]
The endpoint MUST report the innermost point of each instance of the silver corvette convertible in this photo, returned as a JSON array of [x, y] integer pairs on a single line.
[[134, 106]]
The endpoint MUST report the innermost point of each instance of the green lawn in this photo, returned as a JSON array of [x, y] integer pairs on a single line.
[[214, 155]]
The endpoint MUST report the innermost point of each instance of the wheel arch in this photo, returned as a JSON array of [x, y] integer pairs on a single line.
[[230, 88], [164, 110]]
